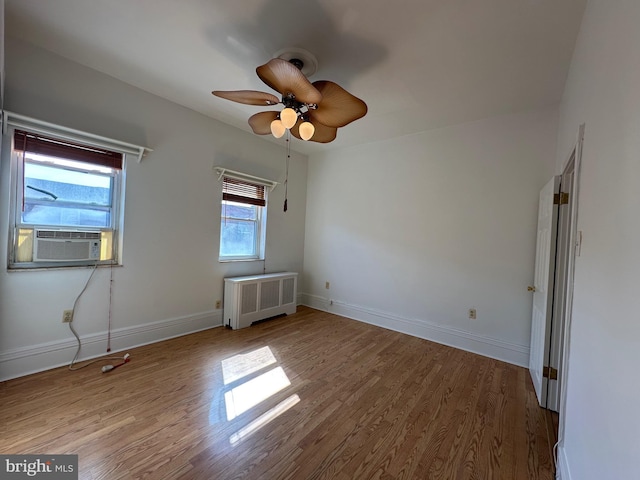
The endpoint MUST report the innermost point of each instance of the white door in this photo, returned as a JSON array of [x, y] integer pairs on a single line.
[[543, 287]]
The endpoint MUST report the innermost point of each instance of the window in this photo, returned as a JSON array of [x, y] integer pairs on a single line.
[[242, 229], [67, 202]]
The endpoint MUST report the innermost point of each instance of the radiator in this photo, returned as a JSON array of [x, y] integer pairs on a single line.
[[256, 297]]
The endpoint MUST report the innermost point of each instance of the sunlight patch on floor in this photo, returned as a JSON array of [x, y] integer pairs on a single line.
[[239, 366], [264, 419], [251, 393]]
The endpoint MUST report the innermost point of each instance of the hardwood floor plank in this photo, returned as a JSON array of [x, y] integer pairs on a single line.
[[353, 401]]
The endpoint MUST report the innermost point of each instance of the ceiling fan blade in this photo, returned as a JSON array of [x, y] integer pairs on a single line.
[[248, 97], [261, 122], [322, 134], [338, 107], [285, 78]]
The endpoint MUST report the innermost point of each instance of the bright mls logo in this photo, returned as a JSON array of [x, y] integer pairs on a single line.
[[51, 467]]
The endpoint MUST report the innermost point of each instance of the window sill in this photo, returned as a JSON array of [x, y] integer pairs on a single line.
[[231, 260], [61, 267]]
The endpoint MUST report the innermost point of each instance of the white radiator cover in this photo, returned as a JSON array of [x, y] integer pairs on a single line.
[[256, 297]]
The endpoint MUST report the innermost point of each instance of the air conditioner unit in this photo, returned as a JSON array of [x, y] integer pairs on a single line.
[[65, 245]]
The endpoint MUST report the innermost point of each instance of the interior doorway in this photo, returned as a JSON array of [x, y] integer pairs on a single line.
[[557, 245], [551, 331]]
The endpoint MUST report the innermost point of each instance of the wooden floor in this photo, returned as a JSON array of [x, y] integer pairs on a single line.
[[345, 400]]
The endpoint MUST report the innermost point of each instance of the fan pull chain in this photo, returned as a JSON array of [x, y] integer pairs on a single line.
[[286, 175]]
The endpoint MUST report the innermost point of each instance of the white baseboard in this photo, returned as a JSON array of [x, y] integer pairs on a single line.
[[36, 358], [563, 472], [489, 347]]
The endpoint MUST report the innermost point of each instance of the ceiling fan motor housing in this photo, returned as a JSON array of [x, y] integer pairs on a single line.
[[296, 62], [290, 101], [308, 62]]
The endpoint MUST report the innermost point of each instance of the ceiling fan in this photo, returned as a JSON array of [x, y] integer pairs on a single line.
[[313, 111]]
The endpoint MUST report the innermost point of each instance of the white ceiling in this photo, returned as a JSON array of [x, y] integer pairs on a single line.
[[418, 64]]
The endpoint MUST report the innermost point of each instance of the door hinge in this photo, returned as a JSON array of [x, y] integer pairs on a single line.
[[550, 373], [561, 198]]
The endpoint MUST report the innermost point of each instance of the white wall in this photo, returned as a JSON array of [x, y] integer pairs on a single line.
[[1, 54], [601, 421], [413, 232], [171, 273]]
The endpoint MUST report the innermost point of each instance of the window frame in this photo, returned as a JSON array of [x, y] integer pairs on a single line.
[[234, 188], [112, 234], [260, 236]]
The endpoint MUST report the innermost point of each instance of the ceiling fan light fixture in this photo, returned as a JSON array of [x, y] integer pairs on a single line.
[[306, 130], [330, 105], [288, 117], [277, 128]]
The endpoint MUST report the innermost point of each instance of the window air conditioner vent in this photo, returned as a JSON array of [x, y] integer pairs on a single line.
[[66, 245], [67, 234]]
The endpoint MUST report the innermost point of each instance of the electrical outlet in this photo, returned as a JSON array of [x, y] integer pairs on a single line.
[[67, 316], [218, 304], [472, 313], [327, 285]]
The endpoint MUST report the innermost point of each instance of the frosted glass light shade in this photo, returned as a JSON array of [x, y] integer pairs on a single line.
[[306, 130], [277, 128], [288, 117]]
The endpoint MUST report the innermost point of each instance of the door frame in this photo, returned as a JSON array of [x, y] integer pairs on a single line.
[[573, 238], [560, 287]]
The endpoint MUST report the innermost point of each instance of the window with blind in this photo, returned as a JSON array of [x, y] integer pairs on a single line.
[[242, 228], [64, 188]]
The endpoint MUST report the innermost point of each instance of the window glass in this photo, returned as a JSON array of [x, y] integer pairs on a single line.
[[238, 239], [239, 230], [239, 210], [55, 195]]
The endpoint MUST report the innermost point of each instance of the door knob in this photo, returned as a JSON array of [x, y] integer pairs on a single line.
[[531, 289]]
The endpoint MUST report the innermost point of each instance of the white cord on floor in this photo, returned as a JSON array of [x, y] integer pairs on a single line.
[[73, 330]]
